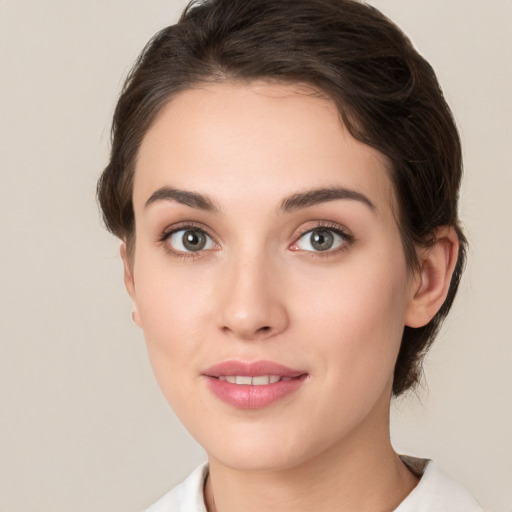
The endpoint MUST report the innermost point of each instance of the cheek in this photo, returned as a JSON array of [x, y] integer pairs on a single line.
[[173, 312], [170, 298], [356, 314]]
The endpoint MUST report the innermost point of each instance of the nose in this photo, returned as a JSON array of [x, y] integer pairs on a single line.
[[252, 305]]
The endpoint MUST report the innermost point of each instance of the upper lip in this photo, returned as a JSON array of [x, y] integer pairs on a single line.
[[251, 369]]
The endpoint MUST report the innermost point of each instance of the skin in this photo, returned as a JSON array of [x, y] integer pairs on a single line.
[[260, 291]]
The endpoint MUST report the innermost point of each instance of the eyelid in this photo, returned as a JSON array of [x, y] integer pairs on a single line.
[[338, 229], [184, 226], [348, 238]]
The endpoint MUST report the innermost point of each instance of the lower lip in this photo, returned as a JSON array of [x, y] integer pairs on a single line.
[[253, 397]]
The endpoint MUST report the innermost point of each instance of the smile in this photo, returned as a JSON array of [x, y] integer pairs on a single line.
[[253, 385]]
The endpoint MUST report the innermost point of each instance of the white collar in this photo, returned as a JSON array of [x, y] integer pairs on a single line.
[[435, 491]]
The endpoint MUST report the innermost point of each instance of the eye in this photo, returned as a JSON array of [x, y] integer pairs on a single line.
[[320, 240], [190, 240]]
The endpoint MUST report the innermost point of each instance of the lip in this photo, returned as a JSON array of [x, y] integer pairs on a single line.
[[253, 396], [252, 369]]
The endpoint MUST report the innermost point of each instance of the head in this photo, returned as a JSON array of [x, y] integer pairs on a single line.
[[386, 96]]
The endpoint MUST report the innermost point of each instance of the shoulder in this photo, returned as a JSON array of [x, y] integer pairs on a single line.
[[186, 497], [436, 491]]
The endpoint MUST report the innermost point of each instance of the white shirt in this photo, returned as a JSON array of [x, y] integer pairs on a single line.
[[435, 492]]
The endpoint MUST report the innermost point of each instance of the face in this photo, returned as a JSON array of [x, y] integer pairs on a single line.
[[268, 275]]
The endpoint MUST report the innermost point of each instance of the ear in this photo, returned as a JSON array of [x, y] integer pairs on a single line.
[[431, 281], [129, 282]]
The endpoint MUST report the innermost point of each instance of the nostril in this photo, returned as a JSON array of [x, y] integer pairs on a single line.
[[265, 328]]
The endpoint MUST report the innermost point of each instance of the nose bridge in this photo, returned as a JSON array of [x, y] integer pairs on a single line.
[[251, 307]]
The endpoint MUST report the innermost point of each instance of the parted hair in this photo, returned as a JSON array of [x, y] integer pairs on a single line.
[[387, 95]]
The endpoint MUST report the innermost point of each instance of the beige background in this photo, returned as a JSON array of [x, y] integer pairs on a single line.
[[83, 426]]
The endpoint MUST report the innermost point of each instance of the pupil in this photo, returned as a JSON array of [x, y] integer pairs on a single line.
[[194, 240], [322, 240]]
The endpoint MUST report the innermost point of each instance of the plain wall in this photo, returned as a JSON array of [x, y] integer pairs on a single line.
[[83, 426]]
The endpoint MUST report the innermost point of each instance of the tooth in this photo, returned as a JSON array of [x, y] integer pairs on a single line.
[[243, 380], [261, 380]]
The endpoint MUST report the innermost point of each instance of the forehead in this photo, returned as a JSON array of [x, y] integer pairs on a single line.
[[256, 140]]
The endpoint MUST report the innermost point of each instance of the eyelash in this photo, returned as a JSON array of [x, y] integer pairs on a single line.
[[168, 232], [348, 239]]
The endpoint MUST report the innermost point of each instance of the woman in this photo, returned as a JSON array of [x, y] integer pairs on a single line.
[[284, 179]]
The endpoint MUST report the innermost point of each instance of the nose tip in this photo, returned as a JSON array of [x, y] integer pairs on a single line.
[[245, 327], [253, 307]]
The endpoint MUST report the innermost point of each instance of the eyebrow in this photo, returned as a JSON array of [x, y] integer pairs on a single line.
[[291, 203], [188, 198], [322, 195]]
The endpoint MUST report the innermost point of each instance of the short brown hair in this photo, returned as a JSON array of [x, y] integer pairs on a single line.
[[387, 95]]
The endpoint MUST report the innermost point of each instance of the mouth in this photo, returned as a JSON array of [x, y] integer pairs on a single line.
[[253, 385], [243, 371], [247, 380]]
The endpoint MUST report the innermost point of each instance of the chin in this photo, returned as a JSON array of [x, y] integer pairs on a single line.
[[258, 460], [260, 451]]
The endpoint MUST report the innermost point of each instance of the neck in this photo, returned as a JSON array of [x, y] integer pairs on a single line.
[[362, 473]]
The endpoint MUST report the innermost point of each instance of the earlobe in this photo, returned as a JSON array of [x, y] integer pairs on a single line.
[[432, 279], [129, 282]]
